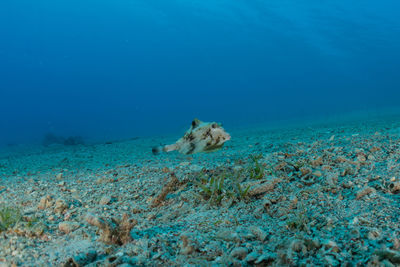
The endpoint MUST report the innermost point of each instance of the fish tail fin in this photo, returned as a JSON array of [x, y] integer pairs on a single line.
[[168, 148], [157, 150]]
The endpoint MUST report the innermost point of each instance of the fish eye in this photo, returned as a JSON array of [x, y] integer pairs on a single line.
[[214, 125]]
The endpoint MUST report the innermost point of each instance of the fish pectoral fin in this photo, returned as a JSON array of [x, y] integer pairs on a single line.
[[213, 148]]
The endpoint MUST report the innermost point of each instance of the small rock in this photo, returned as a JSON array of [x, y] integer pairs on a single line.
[[365, 191], [317, 173], [261, 189], [239, 253], [228, 235], [60, 206], [391, 255], [195, 168], [68, 227], [252, 257], [317, 162], [361, 158], [304, 171], [188, 245], [374, 234], [105, 200], [266, 259], [59, 176], [394, 187], [82, 259], [259, 233], [312, 244], [45, 202], [297, 245], [332, 245], [348, 184], [330, 261]]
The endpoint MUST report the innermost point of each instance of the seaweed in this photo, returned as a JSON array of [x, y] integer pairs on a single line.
[[226, 185], [256, 169], [241, 191], [213, 190], [300, 220], [9, 216]]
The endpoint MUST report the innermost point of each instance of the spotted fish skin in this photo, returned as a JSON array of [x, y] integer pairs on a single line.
[[201, 137]]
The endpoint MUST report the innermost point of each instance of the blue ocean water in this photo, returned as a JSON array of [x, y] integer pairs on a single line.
[[118, 69]]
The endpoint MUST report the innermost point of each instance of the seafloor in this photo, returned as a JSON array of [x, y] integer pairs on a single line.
[[322, 194]]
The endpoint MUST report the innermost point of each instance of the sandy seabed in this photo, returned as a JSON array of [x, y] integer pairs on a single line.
[[325, 194]]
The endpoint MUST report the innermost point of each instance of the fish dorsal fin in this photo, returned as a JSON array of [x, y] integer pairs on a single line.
[[195, 123]]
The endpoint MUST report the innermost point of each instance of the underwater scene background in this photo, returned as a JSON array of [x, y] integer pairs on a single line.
[[117, 69], [199, 133]]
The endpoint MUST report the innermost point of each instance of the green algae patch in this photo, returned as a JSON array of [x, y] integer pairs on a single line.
[[9, 216]]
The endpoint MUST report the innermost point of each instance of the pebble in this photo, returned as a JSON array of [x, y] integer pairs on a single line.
[[228, 235], [59, 176], [266, 258], [68, 227], [259, 233], [391, 255], [365, 191], [252, 256], [239, 253], [297, 245], [332, 245], [60, 206], [394, 187], [195, 168], [45, 202], [374, 234], [105, 200], [317, 173]]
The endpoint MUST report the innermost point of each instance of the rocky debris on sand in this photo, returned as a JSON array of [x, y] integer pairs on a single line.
[[105, 200], [391, 255], [82, 259], [365, 191], [60, 206], [113, 231], [394, 187], [169, 187], [67, 227], [285, 197], [188, 245], [45, 202], [260, 188], [239, 253]]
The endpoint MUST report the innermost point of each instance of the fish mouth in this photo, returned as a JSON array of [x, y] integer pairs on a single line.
[[228, 137]]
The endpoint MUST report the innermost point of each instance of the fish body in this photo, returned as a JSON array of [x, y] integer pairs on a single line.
[[201, 137]]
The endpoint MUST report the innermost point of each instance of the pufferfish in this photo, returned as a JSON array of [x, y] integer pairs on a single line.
[[201, 137]]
